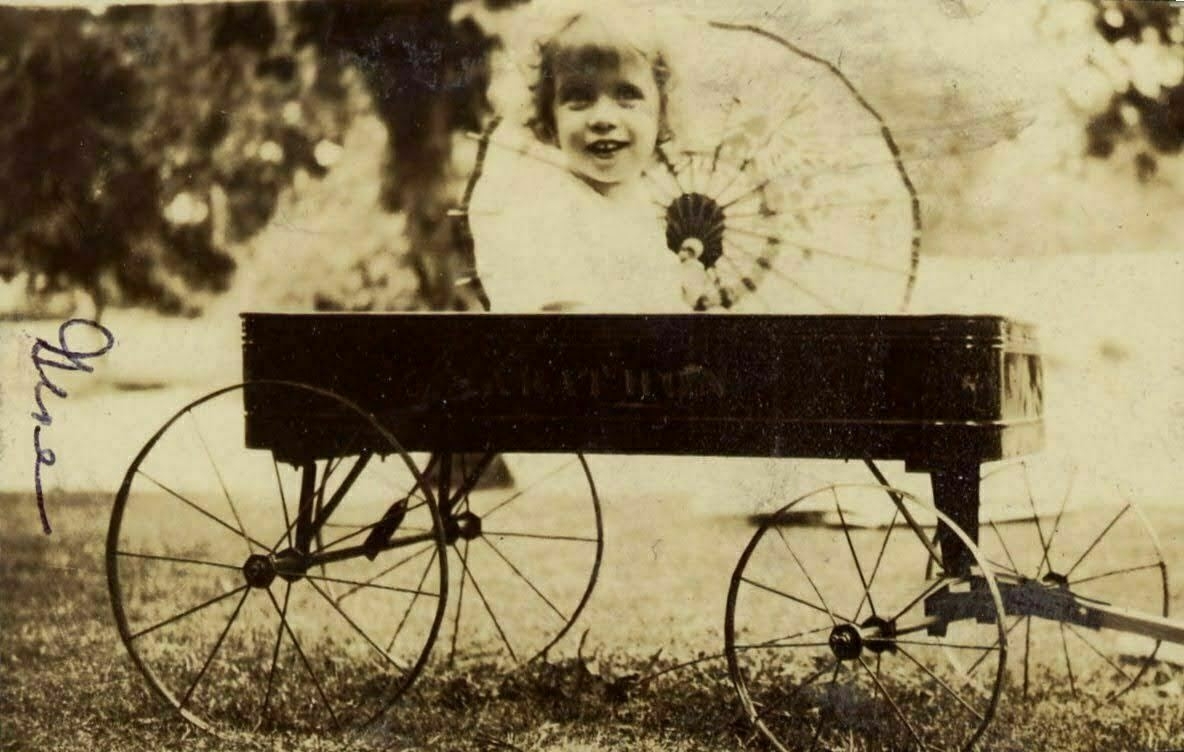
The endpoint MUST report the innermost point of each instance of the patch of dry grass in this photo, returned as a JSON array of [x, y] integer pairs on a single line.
[[69, 685]]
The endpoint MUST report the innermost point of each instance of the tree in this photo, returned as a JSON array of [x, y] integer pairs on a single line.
[[142, 143], [145, 142], [1145, 67], [427, 78]]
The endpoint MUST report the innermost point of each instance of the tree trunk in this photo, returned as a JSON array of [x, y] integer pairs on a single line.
[[427, 79]]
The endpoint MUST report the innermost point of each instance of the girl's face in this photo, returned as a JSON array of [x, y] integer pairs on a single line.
[[606, 116]]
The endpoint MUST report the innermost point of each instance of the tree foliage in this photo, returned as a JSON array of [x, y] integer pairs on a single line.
[[142, 143], [1143, 61], [427, 78]]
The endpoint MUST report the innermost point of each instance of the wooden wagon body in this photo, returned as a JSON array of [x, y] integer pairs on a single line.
[[934, 391]]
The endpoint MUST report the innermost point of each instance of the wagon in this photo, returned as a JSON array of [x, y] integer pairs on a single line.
[[373, 468]]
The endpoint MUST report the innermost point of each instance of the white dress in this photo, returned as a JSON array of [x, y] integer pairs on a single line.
[[546, 240]]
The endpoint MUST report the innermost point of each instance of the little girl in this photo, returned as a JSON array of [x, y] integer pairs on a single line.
[[561, 216]]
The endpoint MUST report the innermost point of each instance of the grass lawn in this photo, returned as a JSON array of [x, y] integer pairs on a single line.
[[70, 685]]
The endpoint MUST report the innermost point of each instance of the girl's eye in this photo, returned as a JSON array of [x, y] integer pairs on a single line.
[[575, 97], [629, 93]]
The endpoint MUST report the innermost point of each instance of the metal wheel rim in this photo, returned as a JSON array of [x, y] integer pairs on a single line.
[[112, 555], [456, 649], [1050, 532], [730, 631]]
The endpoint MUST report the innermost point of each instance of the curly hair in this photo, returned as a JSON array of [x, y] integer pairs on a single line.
[[557, 51]]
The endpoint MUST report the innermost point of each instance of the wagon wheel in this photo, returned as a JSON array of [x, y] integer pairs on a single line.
[[781, 183], [830, 637], [253, 590], [1068, 532], [526, 537]]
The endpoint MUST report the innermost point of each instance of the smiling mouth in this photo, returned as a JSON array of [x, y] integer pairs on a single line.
[[605, 148]]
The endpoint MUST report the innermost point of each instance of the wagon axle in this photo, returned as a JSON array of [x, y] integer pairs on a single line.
[[465, 526], [260, 570], [848, 642]]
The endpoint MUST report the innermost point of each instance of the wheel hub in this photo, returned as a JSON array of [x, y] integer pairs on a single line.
[[1059, 580], [466, 526], [259, 571], [290, 564], [883, 642], [845, 642]]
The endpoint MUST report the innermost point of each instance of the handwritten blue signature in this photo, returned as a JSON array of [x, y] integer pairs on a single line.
[[44, 355]]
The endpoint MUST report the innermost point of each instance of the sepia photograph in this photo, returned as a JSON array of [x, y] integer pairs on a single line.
[[547, 375]]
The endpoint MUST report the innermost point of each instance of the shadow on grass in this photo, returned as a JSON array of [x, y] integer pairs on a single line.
[[564, 703]]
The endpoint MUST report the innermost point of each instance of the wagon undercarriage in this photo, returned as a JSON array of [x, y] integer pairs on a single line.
[[340, 546]]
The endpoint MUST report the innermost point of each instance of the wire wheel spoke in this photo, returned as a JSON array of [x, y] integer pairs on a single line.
[[929, 590], [1014, 568], [551, 513], [1097, 539], [895, 708], [524, 491], [1068, 660], [802, 567], [221, 482], [867, 592], [385, 572], [871, 580], [518, 573], [187, 612], [784, 645], [1083, 540], [361, 632], [1056, 524], [1096, 651], [995, 646], [460, 602], [182, 586], [468, 573], [203, 511], [178, 560], [275, 651], [304, 661], [783, 639], [949, 690], [538, 536], [411, 605], [470, 478], [897, 691], [1118, 572], [1027, 651], [214, 652], [359, 585], [794, 598], [283, 502]]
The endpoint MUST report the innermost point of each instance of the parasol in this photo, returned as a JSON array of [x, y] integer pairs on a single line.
[[780, 183]]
